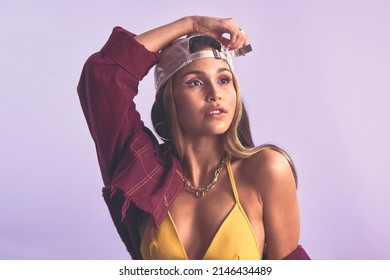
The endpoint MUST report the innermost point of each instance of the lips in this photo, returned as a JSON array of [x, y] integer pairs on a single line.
[[217, 111]]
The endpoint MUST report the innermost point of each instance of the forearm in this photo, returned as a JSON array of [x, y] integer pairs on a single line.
[[156, 39]]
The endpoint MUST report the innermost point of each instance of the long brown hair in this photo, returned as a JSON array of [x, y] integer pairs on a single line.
[[237, 139]]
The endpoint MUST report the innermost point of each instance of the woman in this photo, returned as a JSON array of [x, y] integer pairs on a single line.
[[206, 192]]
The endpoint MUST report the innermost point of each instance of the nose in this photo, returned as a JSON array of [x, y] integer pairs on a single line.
[[213, 93]]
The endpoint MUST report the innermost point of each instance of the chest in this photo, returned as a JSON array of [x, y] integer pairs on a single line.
[[202, 215], [199, 221]]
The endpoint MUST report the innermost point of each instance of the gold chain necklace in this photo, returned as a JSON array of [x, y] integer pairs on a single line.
[[200, 192]]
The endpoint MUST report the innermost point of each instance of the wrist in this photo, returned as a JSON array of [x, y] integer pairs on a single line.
[[188, 24]]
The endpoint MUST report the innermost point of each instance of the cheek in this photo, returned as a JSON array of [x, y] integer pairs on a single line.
[[232, 101], [185, 108]]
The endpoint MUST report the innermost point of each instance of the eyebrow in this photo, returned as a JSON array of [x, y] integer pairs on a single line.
[[199, 72]]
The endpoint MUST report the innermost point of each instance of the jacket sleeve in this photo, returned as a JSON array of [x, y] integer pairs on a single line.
[[136, 174], [107, 87]]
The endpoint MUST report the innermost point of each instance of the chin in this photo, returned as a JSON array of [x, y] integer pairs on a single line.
[[219, 132]]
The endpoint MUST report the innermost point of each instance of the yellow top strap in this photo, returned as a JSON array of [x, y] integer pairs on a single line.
[[230, 172]]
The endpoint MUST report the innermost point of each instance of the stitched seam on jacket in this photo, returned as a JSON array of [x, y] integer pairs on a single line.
[[164, 196], [142, 182], [137, 155]]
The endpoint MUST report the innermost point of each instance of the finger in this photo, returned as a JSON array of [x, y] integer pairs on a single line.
[[244, 41], [231, 28], [233, 40], [240, 41]]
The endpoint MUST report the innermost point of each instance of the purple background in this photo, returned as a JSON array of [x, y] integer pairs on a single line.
[[317, 83]]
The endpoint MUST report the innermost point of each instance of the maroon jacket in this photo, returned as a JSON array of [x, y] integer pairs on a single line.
[[140, 176]]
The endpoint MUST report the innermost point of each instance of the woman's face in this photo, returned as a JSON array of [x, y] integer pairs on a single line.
[[205, 97]]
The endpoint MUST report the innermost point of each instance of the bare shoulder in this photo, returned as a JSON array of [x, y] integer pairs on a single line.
[[270, 173], [269, 167]]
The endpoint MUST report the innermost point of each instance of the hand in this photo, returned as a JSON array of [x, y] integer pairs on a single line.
[[217, 27]]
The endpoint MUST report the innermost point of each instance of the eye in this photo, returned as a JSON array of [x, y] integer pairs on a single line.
[[225, 80], [193, 83]]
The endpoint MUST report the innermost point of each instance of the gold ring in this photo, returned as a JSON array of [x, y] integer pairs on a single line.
[[242, 31]]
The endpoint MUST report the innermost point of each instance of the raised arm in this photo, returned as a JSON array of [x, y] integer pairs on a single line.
[[110, 78], [107, 87], [156, 39]]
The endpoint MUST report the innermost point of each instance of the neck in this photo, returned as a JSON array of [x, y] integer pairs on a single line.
[[201, 158]]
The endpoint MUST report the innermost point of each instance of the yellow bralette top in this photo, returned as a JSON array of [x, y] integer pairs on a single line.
[[234, 240]]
